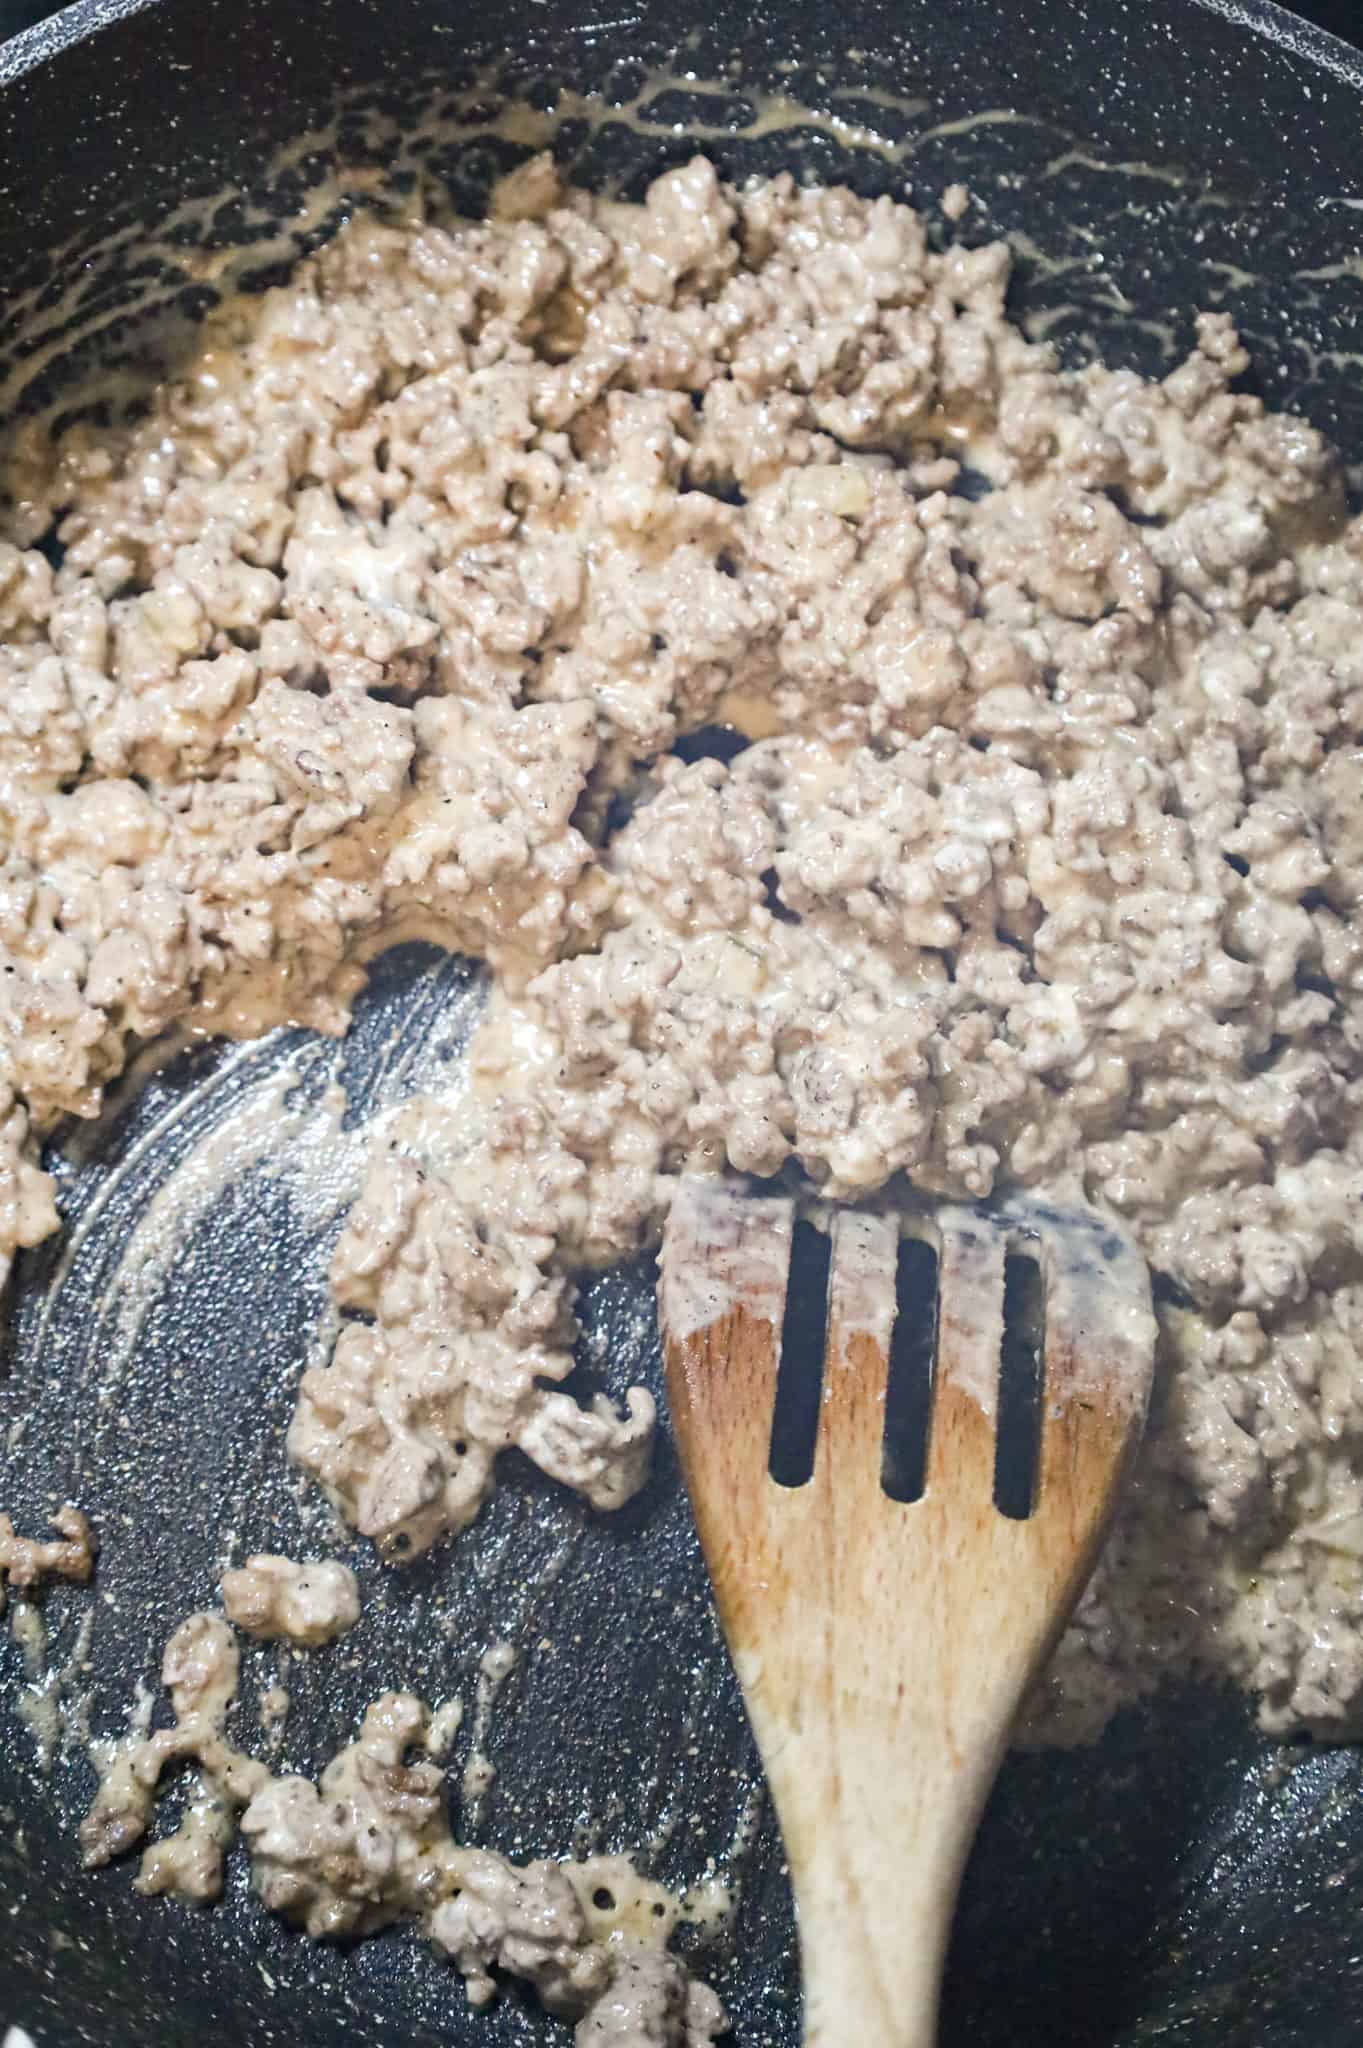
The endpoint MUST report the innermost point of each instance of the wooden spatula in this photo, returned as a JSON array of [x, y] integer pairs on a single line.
[[883, 1646]]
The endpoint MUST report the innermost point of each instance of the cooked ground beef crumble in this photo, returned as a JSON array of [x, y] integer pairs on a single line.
[[28, 1562], [1041, 869], [306, 1603]]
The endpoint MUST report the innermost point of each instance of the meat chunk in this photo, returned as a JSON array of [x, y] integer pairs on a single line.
[[26, 1561], [277, 1598]]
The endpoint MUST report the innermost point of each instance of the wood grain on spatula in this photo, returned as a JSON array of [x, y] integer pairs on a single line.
[[883, 1647]]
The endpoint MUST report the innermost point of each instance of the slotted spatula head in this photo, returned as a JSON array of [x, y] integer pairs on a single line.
[[884, 1644]]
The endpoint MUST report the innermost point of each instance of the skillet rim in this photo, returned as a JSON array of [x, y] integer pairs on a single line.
[[46, 40]]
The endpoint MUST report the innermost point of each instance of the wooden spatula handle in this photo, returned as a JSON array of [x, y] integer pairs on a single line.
[[876, 1875]]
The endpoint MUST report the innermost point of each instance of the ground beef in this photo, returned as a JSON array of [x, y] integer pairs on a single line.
[[276, 1598], [370, 1845], [27, 1562], [199, 1670], [1042, 869]]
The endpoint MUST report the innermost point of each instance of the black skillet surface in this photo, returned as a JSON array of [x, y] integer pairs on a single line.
[[1181, 1882]]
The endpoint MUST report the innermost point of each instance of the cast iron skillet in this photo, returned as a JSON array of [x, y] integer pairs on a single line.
[[1181, 1882]]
